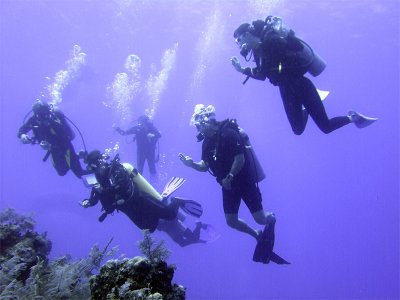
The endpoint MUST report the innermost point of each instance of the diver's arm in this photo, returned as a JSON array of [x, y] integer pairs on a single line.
[[268, 58], [237, 165], [200, 166], [95, 195], [25, 128], [120, 131], [93, 199], [259, 72], [256, 73], [157, 133], [132, 130]]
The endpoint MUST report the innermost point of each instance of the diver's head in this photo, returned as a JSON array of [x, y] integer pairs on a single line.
[[97, 163], [41, 109], [248, 36], [143, 120], [94, 159], [204, 120]]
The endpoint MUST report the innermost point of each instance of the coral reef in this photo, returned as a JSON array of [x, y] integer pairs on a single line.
[[146, 277], [27, 273]]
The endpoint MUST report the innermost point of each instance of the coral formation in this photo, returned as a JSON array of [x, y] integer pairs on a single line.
[[146, 277], [27, 273]]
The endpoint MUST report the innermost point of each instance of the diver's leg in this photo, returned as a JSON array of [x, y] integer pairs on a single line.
[[291, 102], [59, 161], [174, 230], [253, 200], [235, 222], [160, 210], [140, 158], [74, 163], [231, 201], [313, 104], [151, 162]]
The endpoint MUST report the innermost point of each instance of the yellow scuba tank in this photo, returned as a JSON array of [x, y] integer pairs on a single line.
[[143, 185]]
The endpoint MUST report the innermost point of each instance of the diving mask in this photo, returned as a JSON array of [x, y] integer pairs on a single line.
[[241, 41]]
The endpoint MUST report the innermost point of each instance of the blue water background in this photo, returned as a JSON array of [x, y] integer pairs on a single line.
[[336, 196]]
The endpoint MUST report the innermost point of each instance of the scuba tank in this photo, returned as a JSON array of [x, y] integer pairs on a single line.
[[257, 169], [306, 56], [143, 185]]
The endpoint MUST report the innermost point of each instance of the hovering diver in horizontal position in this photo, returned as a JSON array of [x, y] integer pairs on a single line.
[[119, 187], [227, 154], [52, 131], [284, 59]]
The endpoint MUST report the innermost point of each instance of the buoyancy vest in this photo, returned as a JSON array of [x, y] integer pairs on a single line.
[[255, 169]]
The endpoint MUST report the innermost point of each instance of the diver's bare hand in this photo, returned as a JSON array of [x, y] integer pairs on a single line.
[[25, 139], [236, 64], [85, 203], [187, 160], [226, 183]]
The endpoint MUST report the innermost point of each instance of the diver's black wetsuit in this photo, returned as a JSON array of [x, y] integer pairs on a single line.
[[143, 210], [55, 130], [146, 148], [218, 152], [279, 60]]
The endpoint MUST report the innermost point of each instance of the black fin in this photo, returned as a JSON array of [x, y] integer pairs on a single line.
[[265, 246], [278, 260], [191, 207]]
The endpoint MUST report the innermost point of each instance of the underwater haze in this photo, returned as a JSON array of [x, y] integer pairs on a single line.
[[336, 196]]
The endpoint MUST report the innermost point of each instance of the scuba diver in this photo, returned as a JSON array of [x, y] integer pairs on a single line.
[[146, 136], [53, 133], [119, 187], [284, 59], [227, 154]]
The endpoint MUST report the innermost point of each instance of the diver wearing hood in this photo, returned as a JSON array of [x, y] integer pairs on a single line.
[[53, 133], [119, 187], [284, 59]]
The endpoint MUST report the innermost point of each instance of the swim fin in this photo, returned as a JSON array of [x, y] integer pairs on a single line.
[[265, 245], [174, 184], [190, 207], [323, 94], [209, 234], [360, 120], [278, 260]]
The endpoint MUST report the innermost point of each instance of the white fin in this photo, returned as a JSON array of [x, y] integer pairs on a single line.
[[323, 94]]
